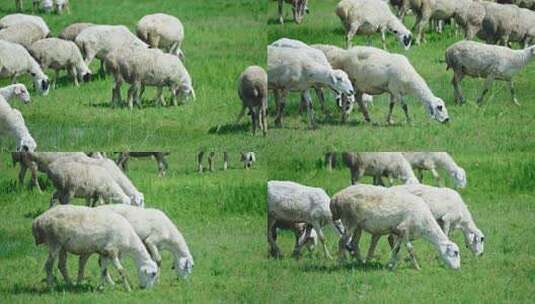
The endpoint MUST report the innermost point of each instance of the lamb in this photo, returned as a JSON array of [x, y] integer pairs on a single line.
[[60, 54], [290, 202], [368, 17], [71, 31], [248, 159], [162, 31], [157, 232], [377, 165], [300, 231], [82, 180], [485, 61], [24, 34], [12, 124], [83, 231], [17, 19], [381, 211], [13, 91], [432, 161], [122, 160], [99, 40], [374, 72], [294, 70], [299, 8], [151, 67], [15, 60], [253, 94], [450, 211]]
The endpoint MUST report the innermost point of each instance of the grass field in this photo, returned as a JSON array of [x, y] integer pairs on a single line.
[[222, 214]]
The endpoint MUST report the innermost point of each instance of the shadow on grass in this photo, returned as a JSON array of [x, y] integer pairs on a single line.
[[59, 288], [231, 128], [315, 267]]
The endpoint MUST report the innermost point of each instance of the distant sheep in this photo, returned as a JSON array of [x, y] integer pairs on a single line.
[[162, 31], [299, 8], [435, 160], [253, 94], [378, 165], [71, 31]]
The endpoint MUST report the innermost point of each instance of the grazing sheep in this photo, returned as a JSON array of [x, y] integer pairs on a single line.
[[12, 124], [24, 34], [122, 160], [59, 54], [48, 6], [300, 231], [295, 70], [470, 18], [485, 61], [299, 8], [82, 180], [157, 232], [71, 31], [434, 160], [290, 202], [377, 165], [83, 231], [17, 90], [253, 94], [381, 211], [162, 31], [500, 24], [17, 19], [15, 60], [450, 211], [248, 159], [368, 17]]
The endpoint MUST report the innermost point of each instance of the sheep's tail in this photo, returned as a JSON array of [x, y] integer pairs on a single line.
[[38, 233]]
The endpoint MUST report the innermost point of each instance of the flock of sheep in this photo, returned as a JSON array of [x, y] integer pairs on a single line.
[[357, 73], [404, 212]]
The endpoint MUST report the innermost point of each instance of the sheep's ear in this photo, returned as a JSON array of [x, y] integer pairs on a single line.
[[333, 78], [18, 90]]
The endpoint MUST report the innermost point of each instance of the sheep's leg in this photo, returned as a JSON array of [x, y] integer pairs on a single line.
[[62, 265], [272, 236], [437, 177], [82, 261], [263, 116], [162, 164], [420, 26], [14, 79], [393, 101], [321, 97], [280, 99], [240, 116], [22, 173], [458, 76], [420, 175], [153, 251], [446, 226], [355, 240], [300, 239], [412, 255], [353, 29], [383, 38], [373, 246], [104, 275], [342, 248], [53, 252], [130, 98], [74, 75], [122, 272], [363, 107], [35, 180], [55, 80], [512, 90], [254, 118], [55, 196], [281, 18], [310, 111], [116, 93], [395, 254], [102, 70], [159, 96], [405, 108], [317, 227], [486, 87]]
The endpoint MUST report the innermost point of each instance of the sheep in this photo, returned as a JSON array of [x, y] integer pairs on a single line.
[[12, 124], [290, 202], [151, 67], [15, 60], [381, 211], [252, 90], [450, 211], [470, 18], [501, 23], [300, 231], [157, 232], [295, 70], [71, 31], [99, 40], [60, 54], [432, 161], [248, 159], [377, 165], [48, 6], [162, 31], [82, 180], [374, 72], [485, 61], [368, 17], [299, 8], [122, 160], [17, 90], [24, 34], [83, 231], [17, 19]]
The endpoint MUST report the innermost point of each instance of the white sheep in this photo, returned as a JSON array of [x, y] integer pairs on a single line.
[[368, 17], [17, 19], [15, 61], [248, 159], [296, 70], [12, 124], [450, 211], [59, 54], [157, 232], [252, 89], [48, 6], [485, 61], [84, 231], [24, 34], [377, 165], [436, 160], [82, 180], [162, 31], [290, 202], [17, 90], [374, 72], [71, 31], [382, 211], [501, 23]]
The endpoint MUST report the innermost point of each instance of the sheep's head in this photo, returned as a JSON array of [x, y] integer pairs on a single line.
[[450, 254], [437, 110], [61, 5], [148, 274], [475, 240], [40, 81], [345, 102], [22, 93], [138, 200], [26, 144], [460, 178], [183, 267], [339, 81], [46, 5], [403, 34]]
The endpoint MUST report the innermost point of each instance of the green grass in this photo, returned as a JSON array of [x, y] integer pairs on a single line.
[[222, 214]]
